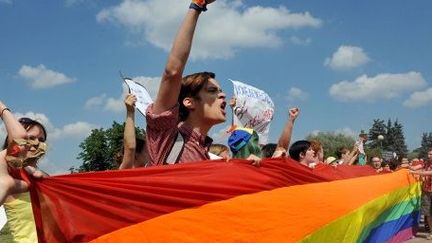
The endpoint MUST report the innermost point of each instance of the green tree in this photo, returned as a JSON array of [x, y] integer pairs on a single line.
[[426, 144], [378, 128], [399, 145], [332, 142], [414, 154], [95, 152], [389, 137], [394, 138], [98, 150]]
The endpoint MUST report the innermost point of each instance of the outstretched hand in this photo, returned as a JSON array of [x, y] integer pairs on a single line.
[[35, 172], [255, 160]]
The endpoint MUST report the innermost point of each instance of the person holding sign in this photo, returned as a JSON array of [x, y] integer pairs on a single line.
[[185, 108], [133, 154]]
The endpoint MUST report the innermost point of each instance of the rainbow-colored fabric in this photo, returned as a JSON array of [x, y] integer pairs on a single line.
[[281, 201]]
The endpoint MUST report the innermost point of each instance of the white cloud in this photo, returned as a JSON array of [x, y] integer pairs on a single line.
[[346, 131], [78, 129], [95, 101], [227, 27], [297, 94], [117, 104], [382, 86], [107, 103], [299, 41], [41, 77], [418, 99], [347, 57]]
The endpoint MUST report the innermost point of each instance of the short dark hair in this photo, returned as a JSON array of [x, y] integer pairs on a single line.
[[268, 150], [139, 147], [27, 123], [190, 87], [297, 148], [341, 151]]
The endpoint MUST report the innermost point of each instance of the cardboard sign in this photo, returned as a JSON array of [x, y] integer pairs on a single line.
[[141, 93], [254, 109]]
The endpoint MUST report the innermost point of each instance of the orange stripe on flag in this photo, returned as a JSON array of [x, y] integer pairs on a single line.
[[280, 215]]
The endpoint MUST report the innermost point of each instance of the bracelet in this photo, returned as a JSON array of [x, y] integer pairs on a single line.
[[4, 109], [197, 7]]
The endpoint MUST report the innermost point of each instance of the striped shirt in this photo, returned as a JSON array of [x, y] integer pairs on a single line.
[[162, 130]]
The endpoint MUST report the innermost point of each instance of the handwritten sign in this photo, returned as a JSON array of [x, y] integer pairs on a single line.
[[389, 155], [254, 109], [141, 93]]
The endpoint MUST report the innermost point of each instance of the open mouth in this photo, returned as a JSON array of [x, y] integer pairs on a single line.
[[222, 106]]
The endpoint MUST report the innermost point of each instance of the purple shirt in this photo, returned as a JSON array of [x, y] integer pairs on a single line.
[[162, 131]]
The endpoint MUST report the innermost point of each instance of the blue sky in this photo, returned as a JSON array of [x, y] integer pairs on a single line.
[[344, 63]]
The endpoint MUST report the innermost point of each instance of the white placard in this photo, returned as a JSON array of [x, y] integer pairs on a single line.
[[254, 109], [3, 218], [141, 93]]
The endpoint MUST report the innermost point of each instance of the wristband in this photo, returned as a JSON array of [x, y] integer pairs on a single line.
[[199, 5], [4, 109]]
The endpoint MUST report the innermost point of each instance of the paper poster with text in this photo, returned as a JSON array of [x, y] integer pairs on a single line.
[[141, 93], [254, 109]]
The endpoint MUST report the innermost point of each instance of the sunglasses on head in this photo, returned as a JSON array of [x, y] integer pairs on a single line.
[[31, 122], [26, 120]]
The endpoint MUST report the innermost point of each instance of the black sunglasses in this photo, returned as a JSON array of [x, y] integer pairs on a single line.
[[26, 120]]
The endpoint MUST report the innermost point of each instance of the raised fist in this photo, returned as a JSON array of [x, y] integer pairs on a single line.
[[293, 113]]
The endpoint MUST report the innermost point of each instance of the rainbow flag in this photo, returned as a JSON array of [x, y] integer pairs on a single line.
[[281, 201]]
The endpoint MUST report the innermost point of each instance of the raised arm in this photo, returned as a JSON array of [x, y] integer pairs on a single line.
[[169, 88], [129, 143], [416, 167], [422, 173], [352, 156], [285, 137], [13, 127]]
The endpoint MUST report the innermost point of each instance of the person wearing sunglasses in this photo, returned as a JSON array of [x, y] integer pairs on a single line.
[[23, 146]]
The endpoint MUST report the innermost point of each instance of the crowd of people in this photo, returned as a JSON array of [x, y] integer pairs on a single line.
[[178, 122]]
